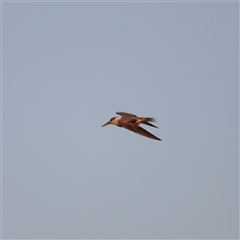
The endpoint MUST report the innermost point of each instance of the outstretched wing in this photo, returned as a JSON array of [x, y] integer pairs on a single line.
[[127, 115], [141, 131]]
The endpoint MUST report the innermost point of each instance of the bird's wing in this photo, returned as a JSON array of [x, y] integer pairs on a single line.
[[126, 116], [140, 131]]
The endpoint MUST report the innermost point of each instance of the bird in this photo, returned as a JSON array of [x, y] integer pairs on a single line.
[[132, 122]]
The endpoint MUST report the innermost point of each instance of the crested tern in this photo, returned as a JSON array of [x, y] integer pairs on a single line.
[[131, 122]]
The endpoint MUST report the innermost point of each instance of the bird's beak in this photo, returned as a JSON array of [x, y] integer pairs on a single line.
[[107, 123]]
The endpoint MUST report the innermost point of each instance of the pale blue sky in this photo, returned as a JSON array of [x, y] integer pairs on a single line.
[[67, 68]]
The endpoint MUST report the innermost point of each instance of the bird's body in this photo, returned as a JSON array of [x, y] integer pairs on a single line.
[[132, 122]]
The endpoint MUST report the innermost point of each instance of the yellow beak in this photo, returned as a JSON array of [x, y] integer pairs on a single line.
[[107, 123]]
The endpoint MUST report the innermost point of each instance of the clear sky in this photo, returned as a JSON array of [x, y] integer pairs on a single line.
[[68, 67]]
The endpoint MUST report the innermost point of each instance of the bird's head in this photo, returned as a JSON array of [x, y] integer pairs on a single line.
[[111, 121]]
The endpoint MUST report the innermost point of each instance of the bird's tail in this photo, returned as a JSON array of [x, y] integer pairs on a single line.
[[147, 120]]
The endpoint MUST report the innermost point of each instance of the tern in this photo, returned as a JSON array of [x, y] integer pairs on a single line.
[[131, 122]]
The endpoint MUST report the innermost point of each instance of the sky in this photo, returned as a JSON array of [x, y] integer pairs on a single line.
[[67, 68]]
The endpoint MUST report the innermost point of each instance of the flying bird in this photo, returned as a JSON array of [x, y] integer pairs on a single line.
[[131, 122]]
